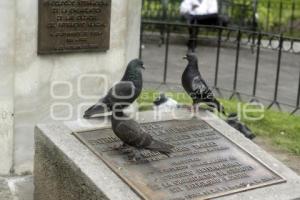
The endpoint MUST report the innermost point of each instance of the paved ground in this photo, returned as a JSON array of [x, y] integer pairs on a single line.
[[16, 188], [5, 193], [153, 56]]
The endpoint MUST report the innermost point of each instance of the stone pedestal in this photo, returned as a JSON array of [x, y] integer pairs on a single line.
[[7, 61], [66, 169], [42, 88]]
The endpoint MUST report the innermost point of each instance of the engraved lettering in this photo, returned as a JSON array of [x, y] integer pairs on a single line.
[[63, 23]]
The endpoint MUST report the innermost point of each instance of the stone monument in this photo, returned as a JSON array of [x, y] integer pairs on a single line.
[[210, 160], [56, 54]]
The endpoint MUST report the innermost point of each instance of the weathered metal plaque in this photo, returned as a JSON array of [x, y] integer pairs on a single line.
[[205, 163], [73, 25]]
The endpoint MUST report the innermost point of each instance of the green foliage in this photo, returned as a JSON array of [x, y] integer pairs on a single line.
[[280, 127], [269, 13]]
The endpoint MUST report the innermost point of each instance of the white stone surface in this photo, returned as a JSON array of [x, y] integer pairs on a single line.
[[21, 187], [59, 136], [28, 77], [133, 33], [7, 44]]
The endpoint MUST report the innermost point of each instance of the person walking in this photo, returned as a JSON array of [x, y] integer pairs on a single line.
[[162, 30], [197, 12]]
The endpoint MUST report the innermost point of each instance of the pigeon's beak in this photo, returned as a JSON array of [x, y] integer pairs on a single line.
[[184, 57], [143, 67]]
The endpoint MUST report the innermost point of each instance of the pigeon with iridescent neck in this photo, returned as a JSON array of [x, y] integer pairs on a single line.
[[123, 93], [196, 87]]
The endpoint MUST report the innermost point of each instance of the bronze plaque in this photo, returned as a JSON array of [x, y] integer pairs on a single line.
[[205, 164], [73, 25]]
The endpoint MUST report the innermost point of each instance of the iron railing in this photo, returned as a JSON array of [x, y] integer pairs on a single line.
[[257, 41], [277, 16]]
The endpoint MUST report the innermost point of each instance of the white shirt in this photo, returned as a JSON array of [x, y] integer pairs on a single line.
[[204, 7]]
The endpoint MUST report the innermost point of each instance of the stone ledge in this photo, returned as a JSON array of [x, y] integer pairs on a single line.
[[66, 169]]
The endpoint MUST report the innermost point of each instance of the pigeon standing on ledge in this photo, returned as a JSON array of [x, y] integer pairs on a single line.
[[196, 87], [132, 134], [235, 123], [123, 93]]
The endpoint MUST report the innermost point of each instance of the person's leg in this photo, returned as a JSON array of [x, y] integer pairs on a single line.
[[210, 19], [193, 34], [190, 22], [223, 20], [164, 4], [196, 33]]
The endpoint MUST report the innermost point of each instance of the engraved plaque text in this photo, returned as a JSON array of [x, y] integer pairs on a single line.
[[205, 164], [73, 25]]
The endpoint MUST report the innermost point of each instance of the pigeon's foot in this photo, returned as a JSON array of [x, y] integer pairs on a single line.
[[118, 146], [166, 154], [135, 155], [124, 148], [194, 110]]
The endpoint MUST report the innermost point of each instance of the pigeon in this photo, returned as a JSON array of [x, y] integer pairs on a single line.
[[123, 93], [164, 103], [235, 123], [196, 87], [161, 99], [132, 134]]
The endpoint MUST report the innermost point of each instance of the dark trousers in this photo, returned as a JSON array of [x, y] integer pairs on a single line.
[[211, 19]]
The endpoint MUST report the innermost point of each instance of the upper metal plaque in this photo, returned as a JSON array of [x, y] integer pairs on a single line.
[[73, 25], [205, 163]]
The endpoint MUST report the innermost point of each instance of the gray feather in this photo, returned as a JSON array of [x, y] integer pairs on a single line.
[[132, 134], [123, 93], [195, 85]]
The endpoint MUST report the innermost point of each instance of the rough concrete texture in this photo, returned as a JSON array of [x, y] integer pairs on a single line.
[[60, 178], [39, 88], [5, 193], [6, 84], [66, 169], [21, 187]]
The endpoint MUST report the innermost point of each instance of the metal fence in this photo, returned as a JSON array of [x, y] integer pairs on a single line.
[[280, 16], [257, 41]]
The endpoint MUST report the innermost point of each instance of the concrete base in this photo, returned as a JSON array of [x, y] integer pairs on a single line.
[[5, 193], [65, 169], [16, 188], [40, 88]]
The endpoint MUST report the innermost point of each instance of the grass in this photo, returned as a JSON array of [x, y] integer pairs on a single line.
[[281, 128]]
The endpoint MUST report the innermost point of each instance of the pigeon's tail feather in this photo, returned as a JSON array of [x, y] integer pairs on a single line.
[[218, 106], [242, 128], [246, 132], [95, 109], [161, 147]]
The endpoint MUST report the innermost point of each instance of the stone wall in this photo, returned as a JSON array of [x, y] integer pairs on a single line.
[[40, 83], [7, 52]]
